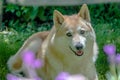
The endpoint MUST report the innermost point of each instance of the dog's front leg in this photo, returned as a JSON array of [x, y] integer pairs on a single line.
[[29, 72], [96, 78]]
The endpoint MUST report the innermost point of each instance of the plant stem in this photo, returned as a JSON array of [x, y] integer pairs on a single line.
[[113, 67]]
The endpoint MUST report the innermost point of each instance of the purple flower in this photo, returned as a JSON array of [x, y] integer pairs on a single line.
[[62, 76], [77, 77], [37, 63], [11, 77], [28, 57], [38, 78], [118, 59], [109, 49]]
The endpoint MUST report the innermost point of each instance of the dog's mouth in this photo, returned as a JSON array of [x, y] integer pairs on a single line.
[[77, 52]]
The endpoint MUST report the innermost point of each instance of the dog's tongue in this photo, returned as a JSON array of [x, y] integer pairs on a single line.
[[79, 52]]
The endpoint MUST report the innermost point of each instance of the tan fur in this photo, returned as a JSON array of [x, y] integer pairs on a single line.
[[40, 35], [53, 48], [18, 64]]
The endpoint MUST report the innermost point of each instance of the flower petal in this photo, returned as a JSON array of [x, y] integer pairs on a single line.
[[118, 58], [62, 76], [28, 57], [109, 49], [11, 77], [38, 63]]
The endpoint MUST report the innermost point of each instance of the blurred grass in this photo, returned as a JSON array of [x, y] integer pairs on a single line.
[[9, 44], [107, 33]]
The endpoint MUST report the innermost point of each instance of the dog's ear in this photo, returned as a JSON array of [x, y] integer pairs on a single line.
[[84, 13], [58, 18]]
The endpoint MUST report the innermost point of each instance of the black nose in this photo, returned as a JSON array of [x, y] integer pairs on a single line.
[[79, 46]]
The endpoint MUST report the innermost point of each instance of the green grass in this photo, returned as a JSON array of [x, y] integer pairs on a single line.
[[9, 44], [5, 51], [107, 33]]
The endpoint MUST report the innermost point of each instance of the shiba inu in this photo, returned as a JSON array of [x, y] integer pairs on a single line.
[[69, 46]]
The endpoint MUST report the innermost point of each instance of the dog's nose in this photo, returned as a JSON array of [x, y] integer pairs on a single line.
[[79, 46]]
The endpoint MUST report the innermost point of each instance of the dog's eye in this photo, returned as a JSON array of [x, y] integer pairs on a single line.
[[69, 34], [82, 31]]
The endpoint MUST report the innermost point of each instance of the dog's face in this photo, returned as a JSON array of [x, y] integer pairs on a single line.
[[74, 31]]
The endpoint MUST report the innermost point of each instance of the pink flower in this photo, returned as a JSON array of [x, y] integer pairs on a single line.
[[118, 58], [67, 76], [28, 57], [62, 76], [109, 49], [11, 77], [37, 63], [77, 77], [38, 78]]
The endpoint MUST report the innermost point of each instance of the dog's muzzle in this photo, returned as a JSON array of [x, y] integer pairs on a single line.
[[78, 52]]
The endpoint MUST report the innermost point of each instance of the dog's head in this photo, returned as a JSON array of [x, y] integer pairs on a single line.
[[73, 31]]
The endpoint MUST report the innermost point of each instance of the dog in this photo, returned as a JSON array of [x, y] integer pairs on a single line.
[[69, 46]]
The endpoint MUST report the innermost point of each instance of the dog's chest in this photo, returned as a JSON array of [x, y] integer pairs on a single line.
[[56, 63]]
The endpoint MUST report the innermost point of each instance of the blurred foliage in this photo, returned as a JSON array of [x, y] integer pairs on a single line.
[[21, 17], [102, 13]]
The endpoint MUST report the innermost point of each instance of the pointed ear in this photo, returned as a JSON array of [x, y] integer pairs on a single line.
[[84, 13], [58, 18]]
